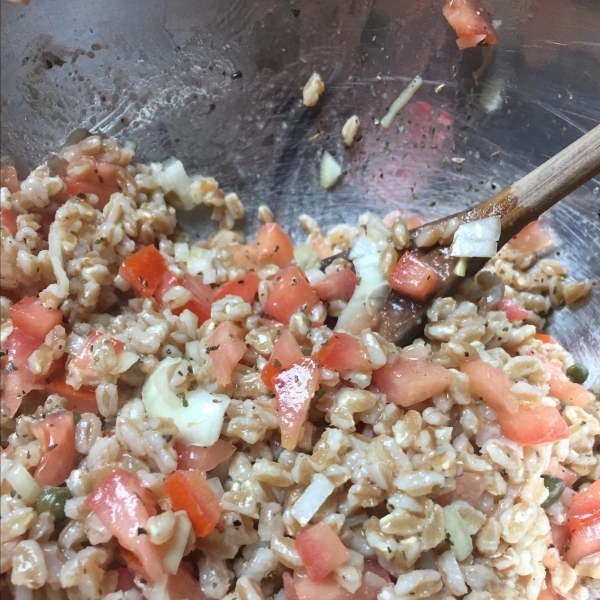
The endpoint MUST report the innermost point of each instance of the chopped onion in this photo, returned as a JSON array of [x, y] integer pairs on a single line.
[[461, 267], [61, 288], [173, 177], [306, 258], [125, 360], [477, 238], [401, 101], [216, 486], [192, 351], [462, 544], [199, 260], [312, 499], [468, 248], [198, 414], [314, 275], [177, 543], [23, 483], [330, 170]]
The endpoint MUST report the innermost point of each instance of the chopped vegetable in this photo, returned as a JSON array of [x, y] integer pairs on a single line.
[[144, 271], [81, 400], [548, 593], [490, 384], [189, 491], [286, 352], [555, 487], [321, 550], [306, 258], [53, 500], [458, 536], [294, 389], [291, 293], [533, 425], [471, 21], [202, 294], [401, 101], [460, 270], [330, 170], [545, 338], [514, 311], [339, 285], [83, 359], [561, 472], [203, 459], [311, 500], [288, 586], [325, 589], [245, 287], [103, 181], [585, 506], [585, 541], [469, 487], [343, 352], [227, 349], [413, 278], [22, 482], [56, 435], [177, 543], [406, 382], [274, 247], [8, 219], [560, 537], [578, 373], [532, 238], [477, 238], [124, 506]]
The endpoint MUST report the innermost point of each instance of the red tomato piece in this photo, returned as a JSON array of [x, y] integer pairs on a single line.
[[533, 425], [337, 286], [244, 255], [202, 297], [560, 537], [289, 587], [545, 338], [414, 222], [274, 246], [9, 179], [471, 21], [33, 318], [561, 472], [182, 586], [325, 589], [18, 377], [548, 593], [227, 347], [469, 487], [320, 247], [513, 310], [584, 542], [103, 181], [82, 400], [83, 359], [203, 459], [561, 386], [532, 238], [124, 507], [189, 491], [245, 287], [291, 293], [321, 550], [585, 506], [286, 352], [56, 435], [413, 278], [125, 580], [490, 384], [407, 382], [343, 352], [144, 270], [8, 219], [294, 389]]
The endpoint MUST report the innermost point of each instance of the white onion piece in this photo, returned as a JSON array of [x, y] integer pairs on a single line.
[[199, 260], [477, 238], [401, 101], [173, 177], [305, 257], [462, 544], [23, 483], [314, 275], [330, 170], [177, 543], [312, 499], [125, 360], [217, 487], [468, 248], [61, 288]]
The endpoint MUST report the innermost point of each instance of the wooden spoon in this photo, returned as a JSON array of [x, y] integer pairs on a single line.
[[403, 320]]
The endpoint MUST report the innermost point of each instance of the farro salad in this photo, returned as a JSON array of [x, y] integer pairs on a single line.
[[221, 420]]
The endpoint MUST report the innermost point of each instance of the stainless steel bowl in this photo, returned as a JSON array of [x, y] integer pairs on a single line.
[[218, 83]]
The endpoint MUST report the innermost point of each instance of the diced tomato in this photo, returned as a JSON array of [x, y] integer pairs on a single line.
[[545, 338], [294, 389], [274, 246], [343, 352], [514, 311], [321, 550], [18, 378], [102, 181], [469, 488], [167, 282], [83, 359], [8, 219], [407, 382], [82, 400], [289, 587], [202, 297], [560, 537], [144, 270], [548, 593], [189, 491], [561, 386], [325, 589], [244, 255], [134, 564], [585, 506], [286, 352], [585, 541], [56, 435], [291, 293], [125, 580], [339, 285], [561, 472], [245, 287], [533, 425], [33, 318], [490, 384], [414, 222], [320, 247], [202, 459], [471, 21], [124, 507], [532, 238], [182, 586], [226, 347], [413, 278]]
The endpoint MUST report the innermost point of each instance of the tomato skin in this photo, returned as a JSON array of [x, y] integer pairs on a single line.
[[31, 317], [102, 181], [9, 179], [491, 384], [413, 278], [343, 352], [513, 310], [471, 21], [291, 293], [200, 458], [274, 246], [124, 507], [288, 586], [189, 491], [469, 487], [585, 541], [337, 286], [585, 506], [56, 435], [144, 271], [321, 550], [294, 389], [245, 287], [533, 425], [8, 219], [81, 400], [407, 382], [227, 347], [286, 352], [532, 238]]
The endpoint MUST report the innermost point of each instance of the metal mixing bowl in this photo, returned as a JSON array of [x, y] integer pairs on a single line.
[[218, 83]]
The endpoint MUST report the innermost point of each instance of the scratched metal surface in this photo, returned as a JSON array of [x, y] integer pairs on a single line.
[[159, 72]]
